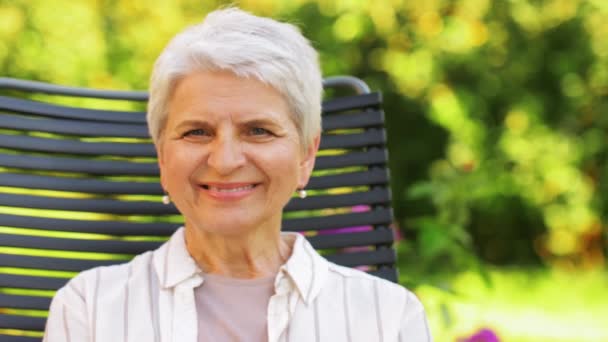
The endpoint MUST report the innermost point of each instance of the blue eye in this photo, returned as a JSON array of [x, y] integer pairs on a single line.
[[196, 132], [259, 131]]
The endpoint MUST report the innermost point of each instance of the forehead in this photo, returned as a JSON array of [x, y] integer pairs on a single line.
[[216, 94]]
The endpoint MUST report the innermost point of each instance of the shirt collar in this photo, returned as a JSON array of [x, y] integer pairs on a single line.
[[306, 268], [173, 263]]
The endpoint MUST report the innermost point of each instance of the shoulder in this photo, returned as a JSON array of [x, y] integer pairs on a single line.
[[100, 280], [93, 296], [354, 276], [149, 267], [389, 295], [375, 304]]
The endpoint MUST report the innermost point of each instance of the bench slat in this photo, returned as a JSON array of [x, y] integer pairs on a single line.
[[80, 245], [53, 264], [358, 140], [31, 282], [113, 246], [72, 127], [110, 206], [371, 100], [376, 217], [380, 216], [67, 112], [24, 302], [109, 227], [21, 323], [65, 146], [88, 166], [14, 338], [365, 119]]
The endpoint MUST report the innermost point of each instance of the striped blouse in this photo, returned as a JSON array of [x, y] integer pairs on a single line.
[[151, 298]]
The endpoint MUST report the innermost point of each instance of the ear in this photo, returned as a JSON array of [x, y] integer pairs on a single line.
[[307, 162]]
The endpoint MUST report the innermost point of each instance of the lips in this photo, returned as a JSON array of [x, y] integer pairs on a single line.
[[228, 191], [228, 188]]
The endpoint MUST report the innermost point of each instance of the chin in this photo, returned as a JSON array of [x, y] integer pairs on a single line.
[[230, 225]]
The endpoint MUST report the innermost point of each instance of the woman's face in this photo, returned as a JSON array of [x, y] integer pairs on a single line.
[[230, 155]]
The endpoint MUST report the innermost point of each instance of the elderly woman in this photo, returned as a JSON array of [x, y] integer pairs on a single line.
[[234, 113]]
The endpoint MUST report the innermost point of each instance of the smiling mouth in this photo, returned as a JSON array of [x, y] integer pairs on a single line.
[[229, 189]]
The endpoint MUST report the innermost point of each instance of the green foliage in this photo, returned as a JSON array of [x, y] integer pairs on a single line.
[[494, 108], [522, 305]]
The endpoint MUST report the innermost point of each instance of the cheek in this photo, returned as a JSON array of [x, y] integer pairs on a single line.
[[179, 163], [279, 163]]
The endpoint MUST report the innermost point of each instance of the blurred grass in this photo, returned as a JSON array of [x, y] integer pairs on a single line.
[[521, 305]]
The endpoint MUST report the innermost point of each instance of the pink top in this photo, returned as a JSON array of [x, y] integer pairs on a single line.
[[232, 309]]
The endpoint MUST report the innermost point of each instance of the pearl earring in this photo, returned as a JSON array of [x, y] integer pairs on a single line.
[[166, 199], [302, 193]]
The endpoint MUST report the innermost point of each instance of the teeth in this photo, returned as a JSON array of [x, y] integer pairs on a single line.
[[232, 189]]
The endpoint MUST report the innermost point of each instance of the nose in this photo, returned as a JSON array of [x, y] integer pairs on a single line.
[[226, 155]]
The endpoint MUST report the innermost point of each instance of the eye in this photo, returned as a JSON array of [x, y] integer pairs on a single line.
[[196, 132], [259, 131]]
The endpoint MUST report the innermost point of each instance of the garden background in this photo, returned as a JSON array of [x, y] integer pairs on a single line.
[[497, 118]]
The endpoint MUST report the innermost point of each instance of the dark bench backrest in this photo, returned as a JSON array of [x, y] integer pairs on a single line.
[[79, 188]]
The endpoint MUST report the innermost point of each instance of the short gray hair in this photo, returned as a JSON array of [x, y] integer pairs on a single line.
[[230, 39]]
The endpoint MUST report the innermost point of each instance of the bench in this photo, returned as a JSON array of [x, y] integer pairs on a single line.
[[79, 188]]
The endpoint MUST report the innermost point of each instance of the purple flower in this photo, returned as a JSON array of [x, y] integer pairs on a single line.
[[483, 335]]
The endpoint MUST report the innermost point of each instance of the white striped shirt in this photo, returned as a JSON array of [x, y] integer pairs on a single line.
[[151, 298]]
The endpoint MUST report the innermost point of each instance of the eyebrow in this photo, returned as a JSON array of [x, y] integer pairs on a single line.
[[192, 122], [261, 122], [252, 122]]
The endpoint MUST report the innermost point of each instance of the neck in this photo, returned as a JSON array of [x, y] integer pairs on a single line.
[[248, 255]]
